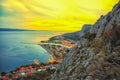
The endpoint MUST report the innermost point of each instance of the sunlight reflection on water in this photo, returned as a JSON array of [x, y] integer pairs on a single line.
[[15, 49]]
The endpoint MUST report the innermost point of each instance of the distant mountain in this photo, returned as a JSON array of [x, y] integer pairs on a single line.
[[79, 34], [8, 29], [75, 35]]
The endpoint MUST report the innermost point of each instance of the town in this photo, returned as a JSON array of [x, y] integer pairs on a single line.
[[48, 68]]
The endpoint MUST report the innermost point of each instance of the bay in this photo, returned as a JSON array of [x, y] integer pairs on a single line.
[[21, 48]]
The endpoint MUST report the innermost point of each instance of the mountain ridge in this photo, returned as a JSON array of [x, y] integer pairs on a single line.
[[74, 35], [97, 55]]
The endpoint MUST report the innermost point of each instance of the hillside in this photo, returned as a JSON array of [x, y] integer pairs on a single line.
[[74, 36], [97, 55]]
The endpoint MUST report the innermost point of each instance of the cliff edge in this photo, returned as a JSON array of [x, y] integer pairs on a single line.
[[97, 55]]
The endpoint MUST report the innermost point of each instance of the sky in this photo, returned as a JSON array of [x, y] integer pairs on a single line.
[[56, 15]]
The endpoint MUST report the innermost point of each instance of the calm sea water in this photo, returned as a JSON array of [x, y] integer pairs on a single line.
[[19, 48]]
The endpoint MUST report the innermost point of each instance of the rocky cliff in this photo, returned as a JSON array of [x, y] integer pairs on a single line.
[[97, 55]]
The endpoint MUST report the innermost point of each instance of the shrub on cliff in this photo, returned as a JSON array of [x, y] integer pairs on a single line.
[[98, 45], [112, 35], [89, 36]]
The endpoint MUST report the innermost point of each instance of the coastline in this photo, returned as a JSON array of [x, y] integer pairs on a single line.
[[57, 51]]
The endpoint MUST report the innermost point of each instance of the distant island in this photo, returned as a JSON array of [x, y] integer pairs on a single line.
[[9, 29]]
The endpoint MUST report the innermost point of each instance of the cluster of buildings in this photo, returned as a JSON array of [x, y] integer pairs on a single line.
[[68, 43], [58, 54], [27, 70]]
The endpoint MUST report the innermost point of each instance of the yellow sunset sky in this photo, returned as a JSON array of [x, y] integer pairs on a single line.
[[57, 15]]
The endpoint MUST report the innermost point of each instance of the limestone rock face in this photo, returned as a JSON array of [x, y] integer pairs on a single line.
[[107, 21], [84, 30], [90, 59]]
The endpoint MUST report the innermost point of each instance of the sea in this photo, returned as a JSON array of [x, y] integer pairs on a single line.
[[19, 48]]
